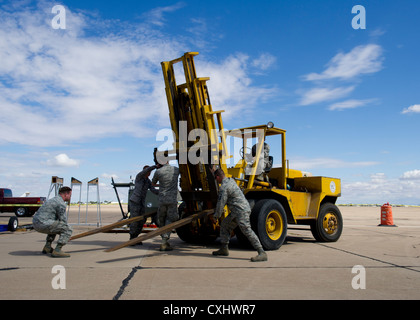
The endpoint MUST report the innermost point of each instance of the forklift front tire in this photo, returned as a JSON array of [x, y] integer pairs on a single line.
[[269, 222]]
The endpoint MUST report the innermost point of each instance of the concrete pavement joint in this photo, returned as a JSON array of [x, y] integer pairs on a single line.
[[371, 258], [8, 269], [271, 267], [125, 283]]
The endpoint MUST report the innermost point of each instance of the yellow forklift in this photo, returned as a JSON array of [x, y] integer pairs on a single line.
[[279, 196]]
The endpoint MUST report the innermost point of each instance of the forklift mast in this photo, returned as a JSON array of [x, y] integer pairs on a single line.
[[197, 133]]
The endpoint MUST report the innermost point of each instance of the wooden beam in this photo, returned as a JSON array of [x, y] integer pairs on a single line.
[[162, 230], [112, 226]]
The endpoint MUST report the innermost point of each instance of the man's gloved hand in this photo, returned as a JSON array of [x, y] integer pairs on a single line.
[[215, 217]]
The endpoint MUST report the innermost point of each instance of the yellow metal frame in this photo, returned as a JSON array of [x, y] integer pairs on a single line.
[[190, 102], [255, 132]]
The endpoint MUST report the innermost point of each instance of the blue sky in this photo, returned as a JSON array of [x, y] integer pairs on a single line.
[[87, 101]]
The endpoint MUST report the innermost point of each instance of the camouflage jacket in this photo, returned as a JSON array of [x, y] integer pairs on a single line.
[[141, 185], [264, 160], [167, 176], [232, 196], [52, 210]]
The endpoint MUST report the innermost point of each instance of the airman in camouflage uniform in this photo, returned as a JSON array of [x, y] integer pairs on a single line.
[[232, 196], [51, 219], [167, 176], [137, 199], [264, 163]]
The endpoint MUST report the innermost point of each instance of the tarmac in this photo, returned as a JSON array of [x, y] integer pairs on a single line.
[[367, 262]]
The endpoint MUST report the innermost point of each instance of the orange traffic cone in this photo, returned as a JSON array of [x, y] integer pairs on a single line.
[[386, 216]]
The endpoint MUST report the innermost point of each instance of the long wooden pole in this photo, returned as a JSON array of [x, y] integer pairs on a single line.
[[112, 226], [162, 230]]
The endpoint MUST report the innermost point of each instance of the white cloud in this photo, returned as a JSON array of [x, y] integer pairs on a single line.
[[264, 61], [85, 82], [317, 95], [363, 59], [309, 164], [377, 32], [62, 160], [411, 175], [379, 189], [61, 86], [230, 85], [378, 177], [412, 109], [349, 104], [360, 60], [109, 176], [156, 16]]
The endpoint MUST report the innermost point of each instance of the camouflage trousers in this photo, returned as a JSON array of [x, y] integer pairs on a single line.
[[136, 209], [52, 228], [242, 220], [167, 213]]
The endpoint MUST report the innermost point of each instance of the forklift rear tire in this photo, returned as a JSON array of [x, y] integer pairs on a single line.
[[269, 222], [192, 232], [13, 224], [329, 224]]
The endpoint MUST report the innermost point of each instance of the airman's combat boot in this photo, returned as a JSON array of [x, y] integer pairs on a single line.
[[262, 256], [58, 253], [47, 248], [223, 251], [165, 246]]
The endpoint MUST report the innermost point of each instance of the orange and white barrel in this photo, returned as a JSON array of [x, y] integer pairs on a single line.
[[386, 215]]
